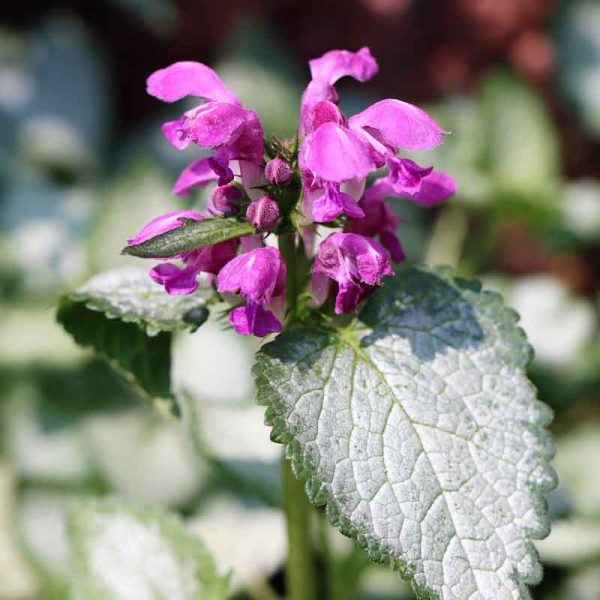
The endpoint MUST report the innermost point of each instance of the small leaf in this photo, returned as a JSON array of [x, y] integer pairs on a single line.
[[128, 319], [120, 551], [419, 430], [190, 236]]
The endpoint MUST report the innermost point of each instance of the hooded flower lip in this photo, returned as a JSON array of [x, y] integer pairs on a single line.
[[188, 78], [357, 263], [327, 70], [334, 153], [221, 124], [183, 280], [258, 276]]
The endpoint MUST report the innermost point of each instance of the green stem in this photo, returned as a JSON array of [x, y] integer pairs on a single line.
[[300, 568], [287, 247]]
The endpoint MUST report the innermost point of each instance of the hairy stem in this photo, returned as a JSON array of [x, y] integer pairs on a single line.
[[300, 569]]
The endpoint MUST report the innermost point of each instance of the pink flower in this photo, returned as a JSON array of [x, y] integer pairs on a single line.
[[221, 124], [258, 276], [335, 151], [325, 71], [184, 280], [355, 262]]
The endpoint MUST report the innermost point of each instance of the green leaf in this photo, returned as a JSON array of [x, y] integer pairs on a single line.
[[128, 319], [419, 430], [523, 154], [190, 236], [120, 551]]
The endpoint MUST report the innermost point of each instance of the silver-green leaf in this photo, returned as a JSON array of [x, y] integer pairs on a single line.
[[419, 430], [190, 236], [128, 294], [124, 552]]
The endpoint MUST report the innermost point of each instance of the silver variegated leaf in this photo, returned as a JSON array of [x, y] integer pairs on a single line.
[[124, 552], [128, 294], [417, 427]]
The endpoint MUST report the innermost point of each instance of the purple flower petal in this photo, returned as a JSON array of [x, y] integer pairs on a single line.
[[356, 263], [223, 201], [189, 78], [215, 123], [254, 319], [175, 280], [220, 167], [348, 297], [334, 153], [435, 189], [257, 275], [162, 224], [398, 125], [320, 286], [332, 203], [196, 175], [335, 64], [212, 258], [325, 71], [176, 134], [389, 240], [406, 175]]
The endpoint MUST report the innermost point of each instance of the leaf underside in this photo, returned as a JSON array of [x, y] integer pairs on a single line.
[[419, 430], [190, 236], [120, 551]]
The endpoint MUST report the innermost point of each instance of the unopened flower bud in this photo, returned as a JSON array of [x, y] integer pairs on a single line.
[[223, 200], [279, 172], [263, 213]]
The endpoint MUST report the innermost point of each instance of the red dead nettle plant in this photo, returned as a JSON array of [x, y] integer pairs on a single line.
[[401, 398]]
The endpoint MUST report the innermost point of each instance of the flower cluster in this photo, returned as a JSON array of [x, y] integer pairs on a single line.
[[291, 186]]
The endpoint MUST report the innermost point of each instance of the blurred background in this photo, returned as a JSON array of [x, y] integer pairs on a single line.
[[83, 165]]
